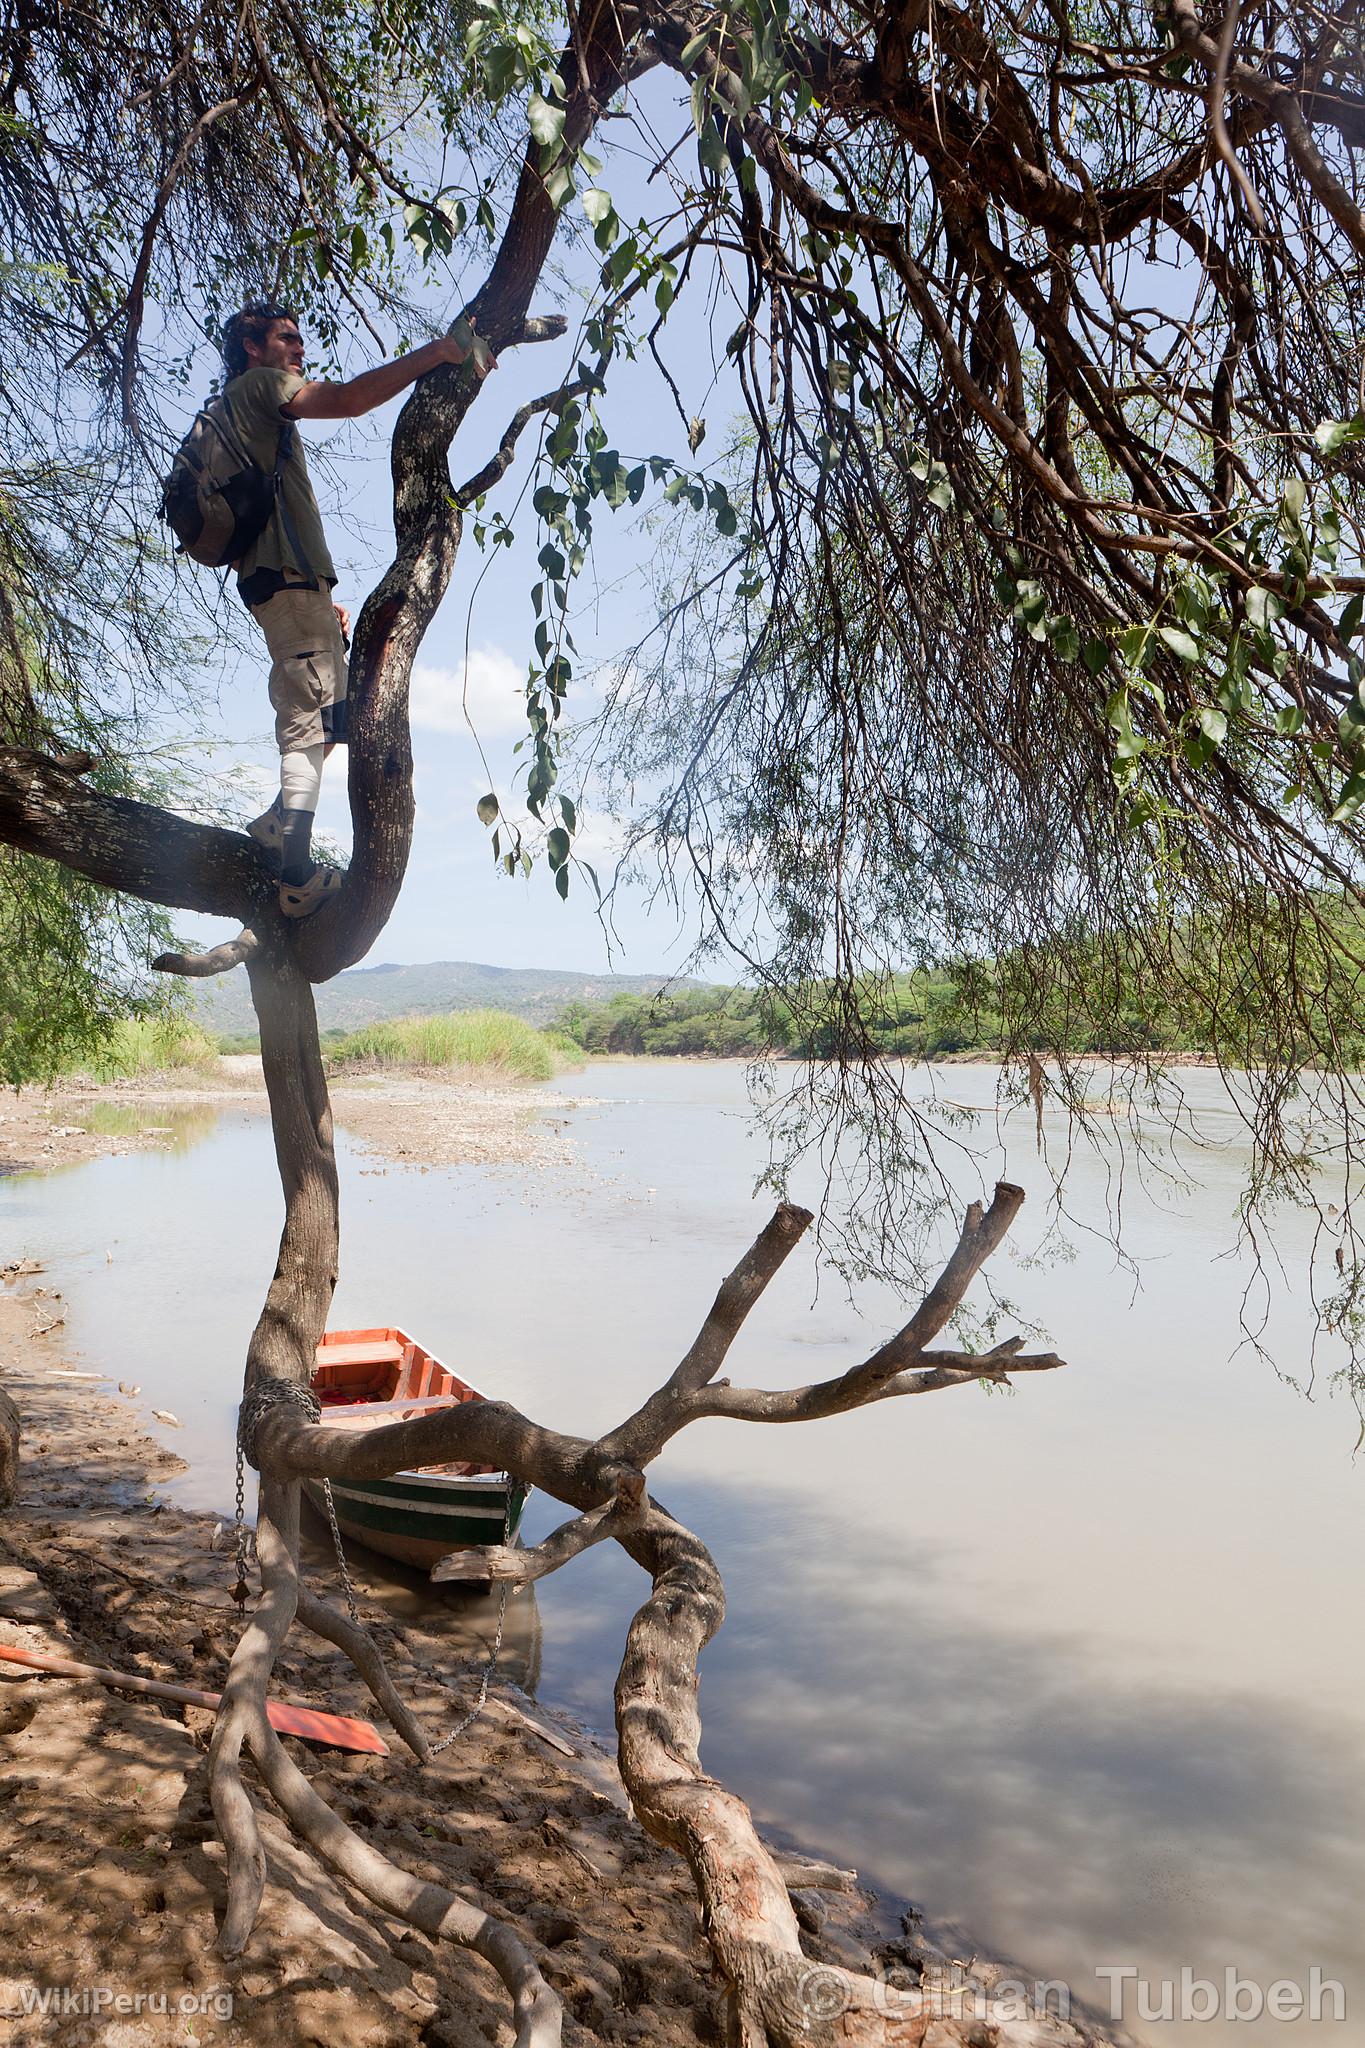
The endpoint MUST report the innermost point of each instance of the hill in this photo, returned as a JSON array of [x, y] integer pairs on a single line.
[[369, 995]]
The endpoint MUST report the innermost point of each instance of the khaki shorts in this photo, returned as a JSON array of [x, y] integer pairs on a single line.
[[307, 667]]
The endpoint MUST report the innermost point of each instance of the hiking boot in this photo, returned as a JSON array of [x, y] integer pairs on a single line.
[[301, 899], [268, 829]]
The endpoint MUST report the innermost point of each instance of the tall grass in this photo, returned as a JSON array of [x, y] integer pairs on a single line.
[[151, 1045], [490, 1041]]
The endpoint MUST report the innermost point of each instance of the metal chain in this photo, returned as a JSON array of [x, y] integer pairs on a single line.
[[266, 1394], [469, 1719], [348, 1588]]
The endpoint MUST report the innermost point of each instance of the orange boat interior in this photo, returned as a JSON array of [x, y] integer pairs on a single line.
[[356, 1368]]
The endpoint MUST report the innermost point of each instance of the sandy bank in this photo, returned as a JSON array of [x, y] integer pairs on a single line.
[[412, 1119], [110, 1873]]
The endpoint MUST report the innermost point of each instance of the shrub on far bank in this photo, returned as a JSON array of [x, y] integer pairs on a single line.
[[137, 1046], [237, 1042], [489, 1041]]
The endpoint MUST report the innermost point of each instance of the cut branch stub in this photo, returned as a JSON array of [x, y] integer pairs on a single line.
[[217, 960]]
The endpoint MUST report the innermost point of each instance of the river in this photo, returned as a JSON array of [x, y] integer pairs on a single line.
[[1079, 1668]]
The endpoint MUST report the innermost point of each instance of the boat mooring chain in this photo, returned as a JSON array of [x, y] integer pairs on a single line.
[[268, 1393], [474, 1712]]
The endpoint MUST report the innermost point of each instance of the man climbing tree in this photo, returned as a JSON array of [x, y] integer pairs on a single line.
[[286, 577]]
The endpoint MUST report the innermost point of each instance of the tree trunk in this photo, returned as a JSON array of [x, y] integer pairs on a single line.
[[9, 1452]]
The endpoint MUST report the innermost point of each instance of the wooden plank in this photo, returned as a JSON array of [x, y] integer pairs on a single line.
[[378, 1351]]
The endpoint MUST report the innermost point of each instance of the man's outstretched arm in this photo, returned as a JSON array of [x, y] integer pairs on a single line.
[[317, 401]]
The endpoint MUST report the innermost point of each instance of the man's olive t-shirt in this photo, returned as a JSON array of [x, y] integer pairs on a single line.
[[254, 400]]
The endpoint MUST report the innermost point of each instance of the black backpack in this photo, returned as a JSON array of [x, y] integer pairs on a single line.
[[217, 499]]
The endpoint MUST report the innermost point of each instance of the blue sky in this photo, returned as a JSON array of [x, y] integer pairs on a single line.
[[455, 905]]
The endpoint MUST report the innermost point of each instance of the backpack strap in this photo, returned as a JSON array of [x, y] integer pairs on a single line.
[[283, 454], [231, 438], [284, 449]]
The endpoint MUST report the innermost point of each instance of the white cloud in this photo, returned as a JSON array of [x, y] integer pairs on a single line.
[[489, 693]]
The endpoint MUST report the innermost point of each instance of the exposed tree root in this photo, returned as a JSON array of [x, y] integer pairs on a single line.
[[324, 1620], [777, 1997]]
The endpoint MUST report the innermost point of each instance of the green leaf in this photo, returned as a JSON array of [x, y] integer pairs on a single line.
[[711, 150], [417, 224], [1263, 607], [559, 187], [691, 51], [1351, 726], [1095, 654], [546, 122], [1065, 640], [700, 93], [569, 813], [1180, 642], [1351, 798], [1133, 644], [1289, 720], [562, 881], [1351, 617], [1293, 498], [597, 205], [1213, 725], [1334, 435], [488, 808], [557, 847]]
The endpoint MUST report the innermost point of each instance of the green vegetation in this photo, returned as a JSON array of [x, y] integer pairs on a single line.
[[69, 972], [1085, 998], [136, 1046], [715, 1023], [913, 1016], [489, 1040]]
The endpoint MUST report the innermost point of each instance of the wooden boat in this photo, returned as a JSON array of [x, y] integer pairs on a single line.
[[365, 1378]]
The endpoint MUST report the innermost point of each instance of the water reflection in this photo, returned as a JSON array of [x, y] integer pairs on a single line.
[[1078, 1669], [462, 1619], [179, 1126], [1011, 1781]]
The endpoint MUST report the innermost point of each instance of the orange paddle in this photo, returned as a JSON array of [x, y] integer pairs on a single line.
[[338, 1731]]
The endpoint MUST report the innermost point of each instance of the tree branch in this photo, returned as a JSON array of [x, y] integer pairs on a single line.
[[49, 809], [498, 464], [642, 1436], [218, 959], [542, 327], [510, 1565], [324, 1620]]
